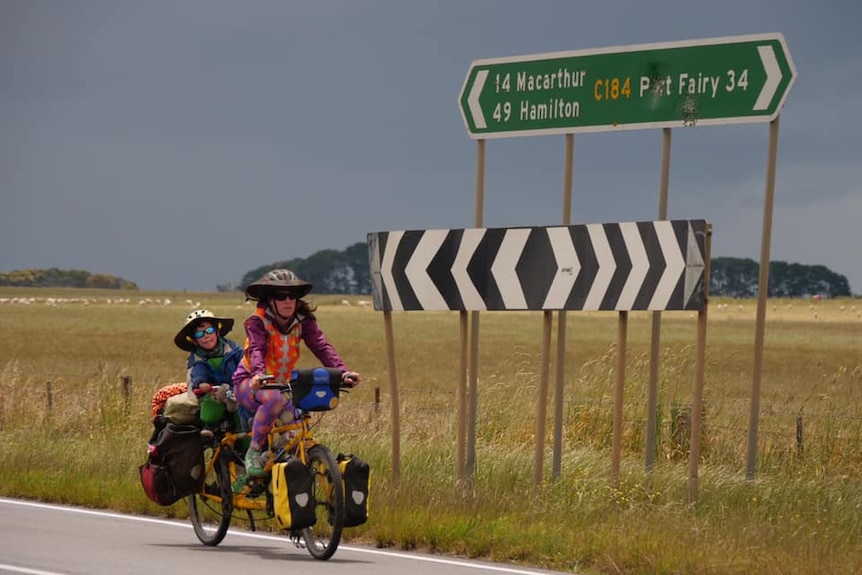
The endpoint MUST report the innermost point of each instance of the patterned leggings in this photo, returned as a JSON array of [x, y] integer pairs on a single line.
[[267, 405]]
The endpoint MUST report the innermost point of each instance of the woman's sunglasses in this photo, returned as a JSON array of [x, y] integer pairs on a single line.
[[200, 333], [281, 296]]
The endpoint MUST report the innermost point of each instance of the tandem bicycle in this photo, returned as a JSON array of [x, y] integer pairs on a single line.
[[227, 491]]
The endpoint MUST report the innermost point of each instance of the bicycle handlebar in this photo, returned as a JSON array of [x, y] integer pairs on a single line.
[[215, 390], [343, 379]]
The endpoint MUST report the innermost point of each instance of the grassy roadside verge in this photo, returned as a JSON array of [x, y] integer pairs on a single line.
[[802, 514]]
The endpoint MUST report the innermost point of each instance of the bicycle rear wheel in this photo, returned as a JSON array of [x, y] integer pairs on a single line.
[[323, 537], [210, 509]]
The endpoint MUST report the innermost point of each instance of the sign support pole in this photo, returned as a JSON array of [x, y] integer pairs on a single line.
[[561, 320], [617, 446], [473, 404], [652, 394], [542, 414], [762, 291], [699, 376], [393, 391], [464, 326]]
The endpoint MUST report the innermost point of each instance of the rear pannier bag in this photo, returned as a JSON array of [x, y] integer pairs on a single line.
[[293, 494], [156, 483], [356, 474], [175, 464]]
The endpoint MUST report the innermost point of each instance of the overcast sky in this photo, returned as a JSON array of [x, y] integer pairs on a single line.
[[179, 144]]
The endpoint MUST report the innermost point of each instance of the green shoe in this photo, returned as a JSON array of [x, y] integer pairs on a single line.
[[240, 483], [253, 465]]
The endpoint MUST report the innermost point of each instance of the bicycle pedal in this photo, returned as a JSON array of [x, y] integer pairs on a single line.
[[297, 539]]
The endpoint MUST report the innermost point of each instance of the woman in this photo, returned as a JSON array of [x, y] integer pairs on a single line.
[[281, 320]]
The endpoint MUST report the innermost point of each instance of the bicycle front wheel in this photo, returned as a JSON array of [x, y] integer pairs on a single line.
[[323, 537], [210, 509]]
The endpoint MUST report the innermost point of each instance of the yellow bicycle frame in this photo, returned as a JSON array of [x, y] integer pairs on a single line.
[[298, 445]]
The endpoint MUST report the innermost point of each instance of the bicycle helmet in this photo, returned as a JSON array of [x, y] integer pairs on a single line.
[[276, 281], [184, 339]]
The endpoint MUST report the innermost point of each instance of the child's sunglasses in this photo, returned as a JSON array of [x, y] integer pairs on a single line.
[[200, 333]]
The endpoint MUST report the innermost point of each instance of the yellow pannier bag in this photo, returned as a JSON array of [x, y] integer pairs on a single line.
[[293, 495]]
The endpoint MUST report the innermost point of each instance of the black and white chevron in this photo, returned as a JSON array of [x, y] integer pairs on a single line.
[[655, 265]]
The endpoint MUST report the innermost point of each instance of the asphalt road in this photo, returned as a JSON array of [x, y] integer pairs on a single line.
[[43, 539]]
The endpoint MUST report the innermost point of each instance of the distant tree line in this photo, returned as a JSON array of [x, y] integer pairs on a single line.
[[736, 277], [331, 271], [54, 277], [348, 272]]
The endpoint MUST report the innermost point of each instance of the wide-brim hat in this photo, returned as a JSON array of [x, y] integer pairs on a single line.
[[278, 281], [184, 339]]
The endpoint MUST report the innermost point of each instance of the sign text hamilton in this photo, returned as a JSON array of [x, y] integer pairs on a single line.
[[729, 80]]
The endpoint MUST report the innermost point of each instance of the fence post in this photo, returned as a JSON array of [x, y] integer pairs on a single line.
[[680, 432], [49, 388], [127, 393], [799, 446], [376, 399]]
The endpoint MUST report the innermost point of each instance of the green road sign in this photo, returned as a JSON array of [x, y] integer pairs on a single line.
[[730, 80]]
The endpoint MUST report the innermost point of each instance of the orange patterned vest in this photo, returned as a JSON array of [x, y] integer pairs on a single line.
[[282, 350]]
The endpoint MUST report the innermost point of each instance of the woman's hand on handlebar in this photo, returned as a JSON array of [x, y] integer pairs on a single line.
[[350, 378], [257, 381]]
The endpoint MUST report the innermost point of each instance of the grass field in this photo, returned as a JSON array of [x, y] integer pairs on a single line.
[[71, 434]]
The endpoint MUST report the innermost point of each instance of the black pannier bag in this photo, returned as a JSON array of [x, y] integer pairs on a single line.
[[316, 389], [175, 464], [356, 475]]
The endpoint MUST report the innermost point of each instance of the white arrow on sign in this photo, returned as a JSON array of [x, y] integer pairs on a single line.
[[640, 265], [773, 77], [473, 100], [674, 266], [386, 269], [568, 268], [694, 265], [503, 268], [470, 296], [607, 267], [416, 270]]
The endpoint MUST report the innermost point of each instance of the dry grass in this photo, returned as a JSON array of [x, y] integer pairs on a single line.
[[802, 513]]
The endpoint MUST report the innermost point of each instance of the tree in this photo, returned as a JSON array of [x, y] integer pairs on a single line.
[[736, 277], [331, 271], [103, 281], [54, 277]]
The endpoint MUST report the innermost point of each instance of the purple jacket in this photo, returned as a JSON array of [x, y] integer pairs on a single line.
[[255, 349]]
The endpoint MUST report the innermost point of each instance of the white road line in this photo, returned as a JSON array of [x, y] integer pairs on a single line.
[[14, 569], [426, 559]]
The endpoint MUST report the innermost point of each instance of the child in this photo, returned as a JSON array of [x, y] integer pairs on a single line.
[[211, 363]]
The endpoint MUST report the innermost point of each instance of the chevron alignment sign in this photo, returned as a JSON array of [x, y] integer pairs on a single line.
[[616, 266]]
